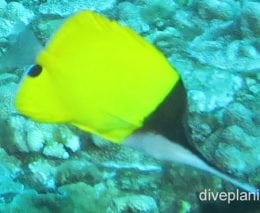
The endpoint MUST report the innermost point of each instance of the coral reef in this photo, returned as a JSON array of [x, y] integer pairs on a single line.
[[134, 203], [56, 168], [65, 8]]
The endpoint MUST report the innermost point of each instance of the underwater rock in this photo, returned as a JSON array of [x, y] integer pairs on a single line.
[[42, 174], [99, 141], [54, 149], [185, 207], [19, 139], [254, 88], [250, 16], [238, 114], [134, 203], [14, 18], [158, 12], [84, 198], [236, 166], [141, 167], [130, 169], [171, 34], [233, 150], [78, 197], [76, 170], [46, 28], [66, 8], [70, 139], [189, 25], [21, 202], [16, 12], [249, 96], [2, 7], [198, 100], [6, 28], [28, 136], [236, 135], [8, 187], [35, 140], [130, 15], [169, 40], [222, 45], [137, 181], [7, 78], [10, 167], [257, 121], [202, 126], [33, 202], [10, 171], [7, 95], [225, 135], [210, 91], [32, 139], [215, 9], [120, 158]]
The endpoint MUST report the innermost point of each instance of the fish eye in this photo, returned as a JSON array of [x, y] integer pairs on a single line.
[[34, 70]]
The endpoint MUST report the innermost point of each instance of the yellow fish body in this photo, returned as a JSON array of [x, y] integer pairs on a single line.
[[97, 75]]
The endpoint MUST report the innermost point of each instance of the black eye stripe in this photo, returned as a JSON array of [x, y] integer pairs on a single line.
[[35, 70]]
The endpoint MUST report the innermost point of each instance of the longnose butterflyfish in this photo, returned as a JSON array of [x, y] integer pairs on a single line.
[[106, 79]]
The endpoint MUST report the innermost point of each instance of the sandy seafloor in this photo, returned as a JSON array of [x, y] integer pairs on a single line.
[[214, 44]]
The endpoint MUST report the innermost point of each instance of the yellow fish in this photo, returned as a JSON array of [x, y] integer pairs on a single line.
[[97, 75], [106, 79]]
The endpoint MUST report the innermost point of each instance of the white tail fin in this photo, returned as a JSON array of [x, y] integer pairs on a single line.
[[161, 148]]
